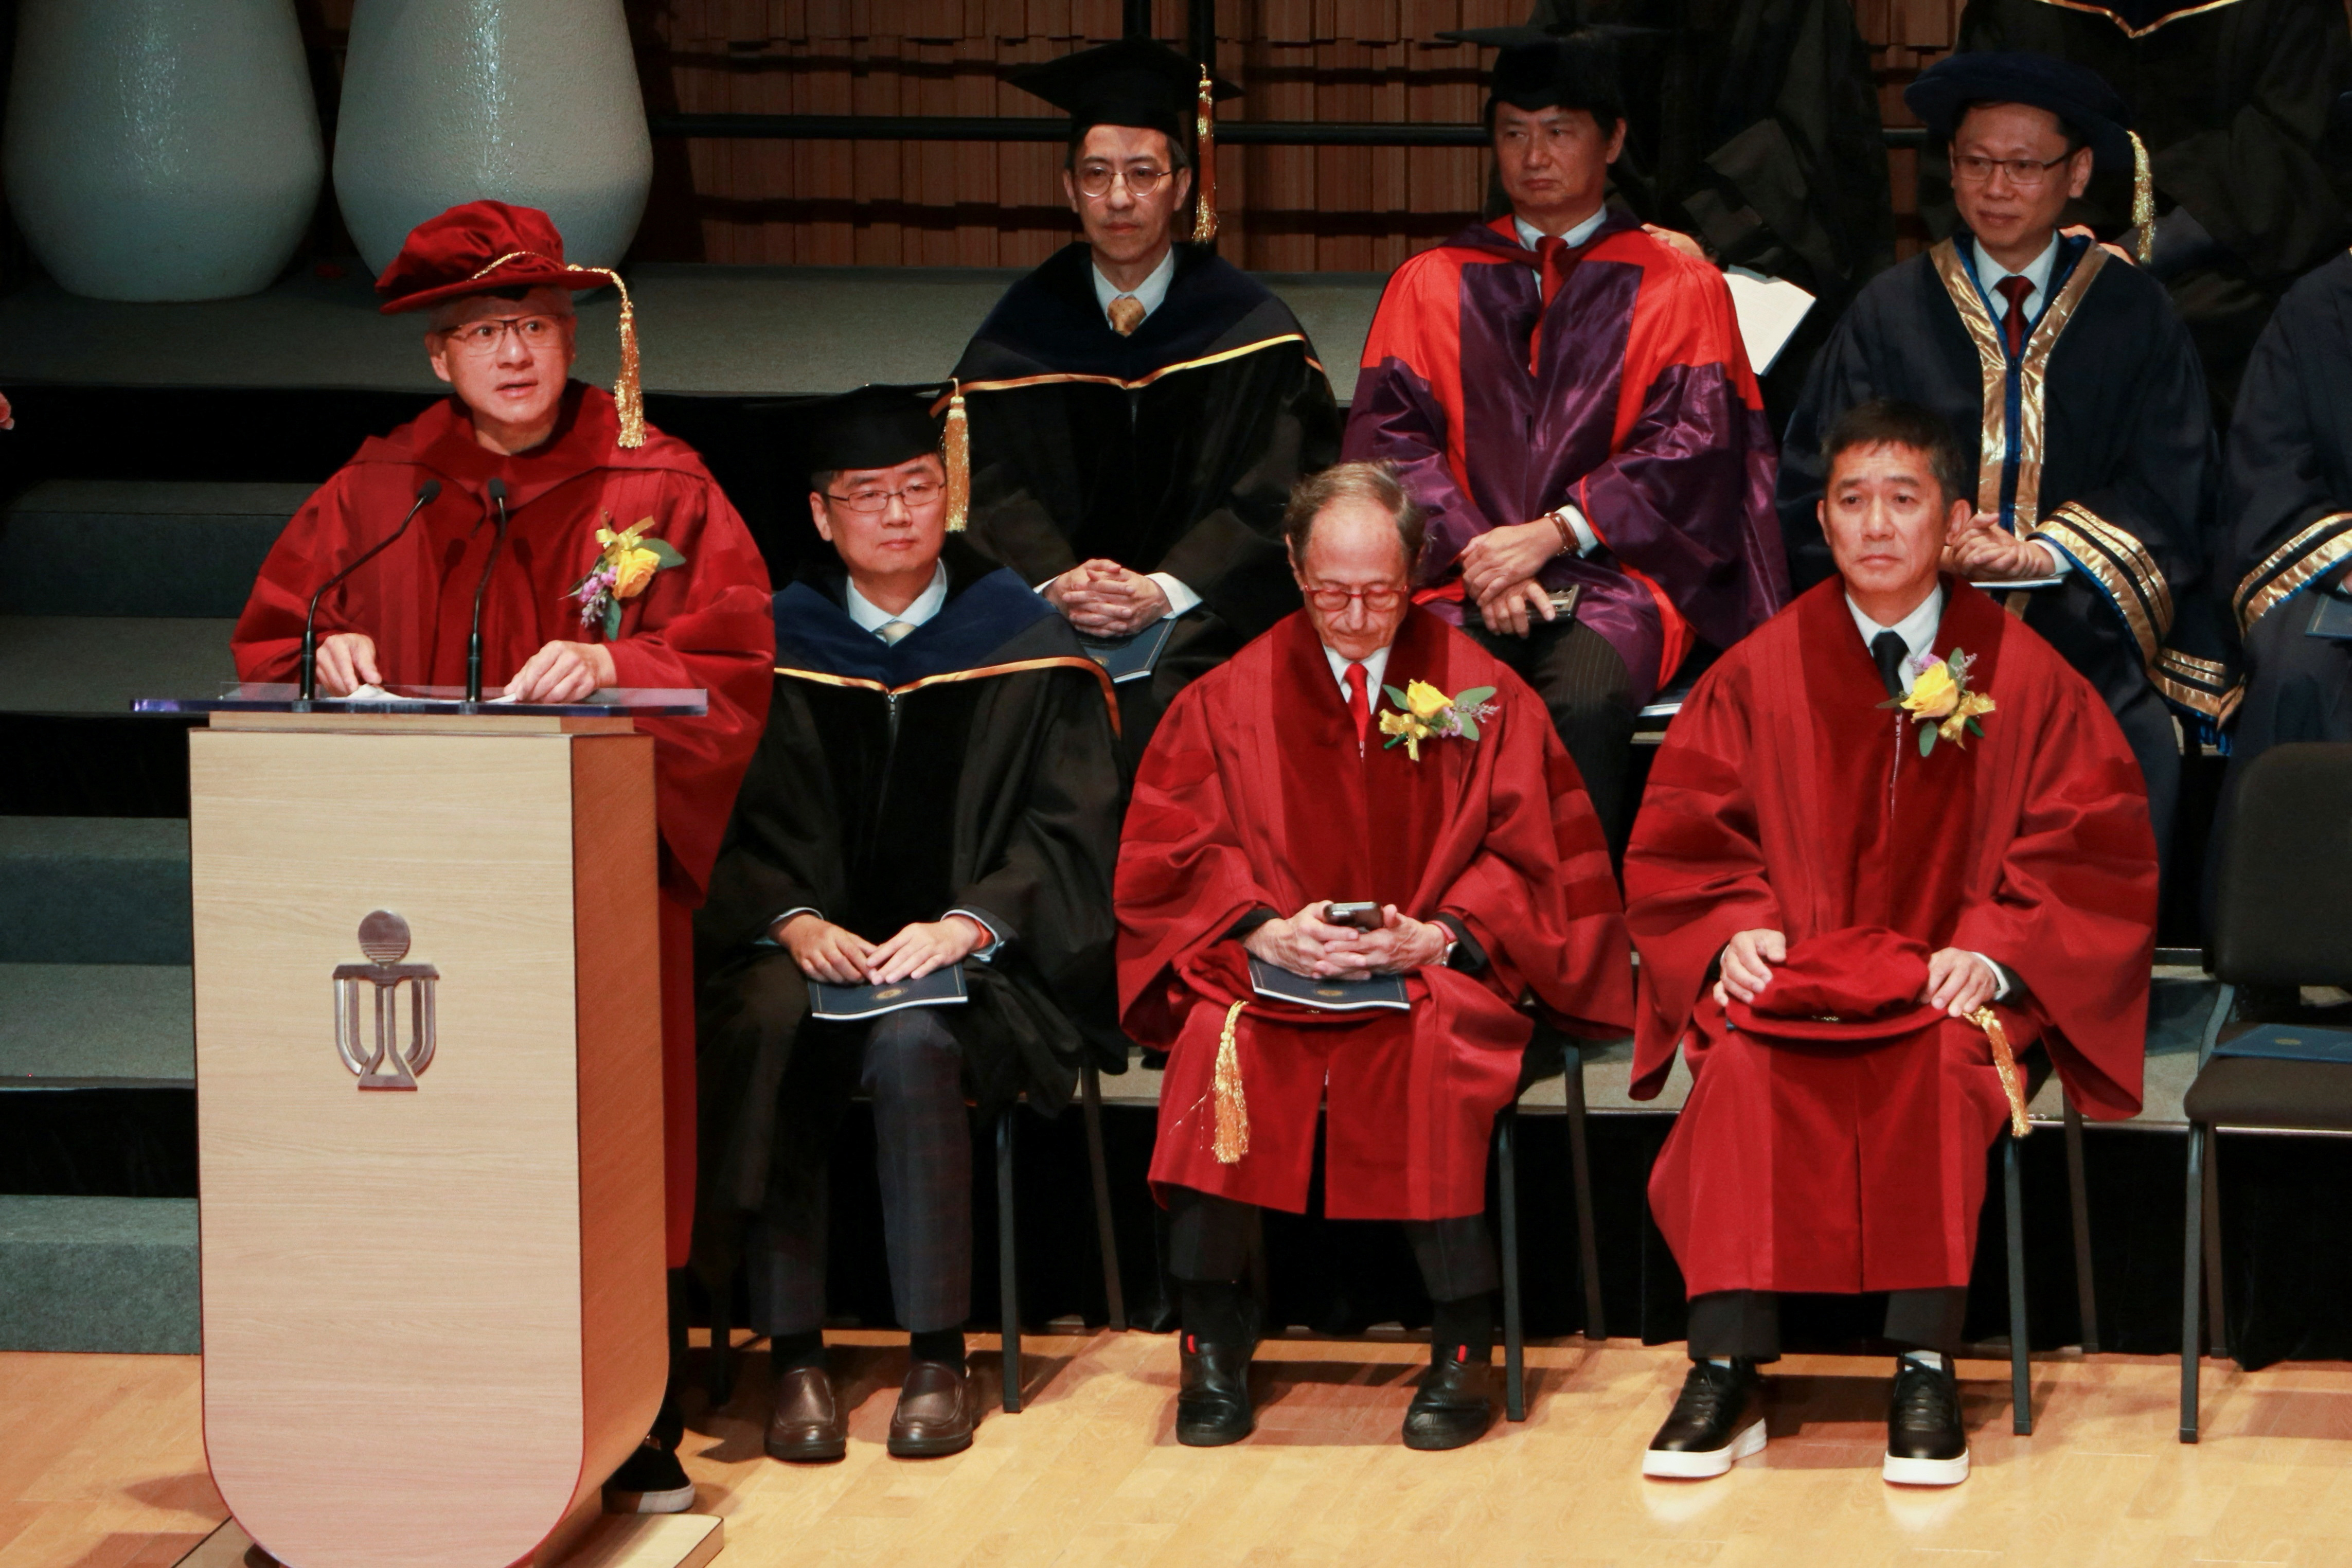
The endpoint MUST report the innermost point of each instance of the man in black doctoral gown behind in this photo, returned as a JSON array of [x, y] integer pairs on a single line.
[[2066, 372], [937, 788], [1139, 408]]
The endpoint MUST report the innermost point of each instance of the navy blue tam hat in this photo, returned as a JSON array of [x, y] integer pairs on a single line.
[[2080, 97], [1537, 68]]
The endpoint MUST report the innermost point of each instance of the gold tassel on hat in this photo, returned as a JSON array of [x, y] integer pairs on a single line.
[[2005, 1064], [1232, 1111], [2143, 200], [1205, 138], [955, 449], [628, 396]]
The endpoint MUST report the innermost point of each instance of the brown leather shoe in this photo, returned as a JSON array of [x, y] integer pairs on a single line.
[[806, 1427], [935, 1412]]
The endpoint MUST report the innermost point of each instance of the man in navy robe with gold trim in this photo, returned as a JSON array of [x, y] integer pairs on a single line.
[[1139, 407], [2064, 371], [937, 786]]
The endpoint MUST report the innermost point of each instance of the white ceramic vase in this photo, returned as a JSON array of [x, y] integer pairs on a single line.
[[529, 102], [161, 149]]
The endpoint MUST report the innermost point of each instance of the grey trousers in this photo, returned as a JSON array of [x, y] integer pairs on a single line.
[[913, 1070], [1748, 1322], [1209, 1241]]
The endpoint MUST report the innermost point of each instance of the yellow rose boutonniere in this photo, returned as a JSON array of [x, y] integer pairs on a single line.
[[1940, 702], [625, 565], [1422, 712]]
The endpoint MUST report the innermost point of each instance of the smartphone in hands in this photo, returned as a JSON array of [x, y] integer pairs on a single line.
[[1362, 916]]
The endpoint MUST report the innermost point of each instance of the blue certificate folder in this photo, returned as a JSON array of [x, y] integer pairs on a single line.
[[2290, 1043], [848, 1003], [1328, 995], [1132, 657], [2331, 617]]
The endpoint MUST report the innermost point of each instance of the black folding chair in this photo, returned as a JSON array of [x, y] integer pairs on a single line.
[[2278, 921], [1550, 1054]]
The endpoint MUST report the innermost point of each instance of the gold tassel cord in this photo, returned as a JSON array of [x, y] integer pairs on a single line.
[[628, 395], [2004, 1063], [955, 450], [1205, 138], [1232, 1111], [2143, 200]]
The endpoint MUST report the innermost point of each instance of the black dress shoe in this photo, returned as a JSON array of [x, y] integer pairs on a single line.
[[1926, 1444], [650, 1480], [1213, 1405], [1718, 1420], [1454, 1405], [935, 1414], [805, 1427]]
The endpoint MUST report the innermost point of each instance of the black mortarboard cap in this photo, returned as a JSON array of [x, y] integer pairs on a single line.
[[880, 425], [2079, 96], [1543, 67], [1134, 81]]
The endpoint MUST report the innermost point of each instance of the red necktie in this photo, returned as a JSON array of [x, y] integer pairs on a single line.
[[1551, 266], [2012, 326], [1359, 704]]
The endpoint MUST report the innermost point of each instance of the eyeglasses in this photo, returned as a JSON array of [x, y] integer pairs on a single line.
[[916, 496], [1380, 598], [2025, 173], [480, 340], [1141, 180]]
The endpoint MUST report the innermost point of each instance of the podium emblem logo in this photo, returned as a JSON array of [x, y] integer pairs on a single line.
[[377, 1057]]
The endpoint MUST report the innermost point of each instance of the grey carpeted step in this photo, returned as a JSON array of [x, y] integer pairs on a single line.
[[94, 891], [93, 664], [139, 547], [100, 1274], [97, 1023]]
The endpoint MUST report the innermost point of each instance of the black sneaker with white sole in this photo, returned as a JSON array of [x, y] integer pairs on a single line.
[[1926, 1444], [650, 1480], [1717, 1421]]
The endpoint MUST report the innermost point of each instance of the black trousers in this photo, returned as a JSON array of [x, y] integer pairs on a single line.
[[1209, 1241], [2076, 619], [913, 1070], [1585, 687], [1748, 1322]]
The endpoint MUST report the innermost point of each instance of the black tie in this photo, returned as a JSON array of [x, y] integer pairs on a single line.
[[1888, 649]]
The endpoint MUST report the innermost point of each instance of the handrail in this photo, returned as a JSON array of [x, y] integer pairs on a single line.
[[1025, 128]]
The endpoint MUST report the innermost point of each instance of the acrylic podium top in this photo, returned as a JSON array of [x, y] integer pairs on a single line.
[[613, 702]]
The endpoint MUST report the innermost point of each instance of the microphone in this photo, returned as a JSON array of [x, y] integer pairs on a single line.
[[497, 494], [309, 689]]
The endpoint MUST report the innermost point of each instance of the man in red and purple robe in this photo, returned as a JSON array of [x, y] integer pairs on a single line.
[[1892, 840], [1569, 402], [554, 471], [1325, 917]]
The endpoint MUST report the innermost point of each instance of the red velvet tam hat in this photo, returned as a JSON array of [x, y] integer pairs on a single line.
[[478, 247], [1853, 986]]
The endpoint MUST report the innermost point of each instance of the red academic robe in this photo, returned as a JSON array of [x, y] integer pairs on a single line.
[[1255, 794], [704, 623], [1786, 798]]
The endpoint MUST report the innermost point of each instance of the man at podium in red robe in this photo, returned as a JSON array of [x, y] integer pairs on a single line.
[[1458, 827], [611, 559], [1891, 841]]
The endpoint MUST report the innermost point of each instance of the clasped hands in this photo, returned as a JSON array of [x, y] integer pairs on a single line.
[[1104, 599], [1498, 571], [841, 957], [1958, 980], [558, 672], [1983, 551], [1311, 945]]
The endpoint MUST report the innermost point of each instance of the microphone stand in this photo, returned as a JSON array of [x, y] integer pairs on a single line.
[[307, 689], [497, 494]]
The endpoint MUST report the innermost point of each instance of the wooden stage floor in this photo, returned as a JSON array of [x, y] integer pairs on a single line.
[[101, 1465]]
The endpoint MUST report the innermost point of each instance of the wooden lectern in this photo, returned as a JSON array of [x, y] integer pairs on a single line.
[[429, 1067]]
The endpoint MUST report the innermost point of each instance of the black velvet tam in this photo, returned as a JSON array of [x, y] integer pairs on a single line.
[[1538, 68], [2079, 96]]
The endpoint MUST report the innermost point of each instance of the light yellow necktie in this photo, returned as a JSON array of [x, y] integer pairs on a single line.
[[1125, 314], [891, 631]]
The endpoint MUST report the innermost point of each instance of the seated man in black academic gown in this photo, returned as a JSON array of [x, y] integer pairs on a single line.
[[2065, 372], [938, 789], [1139, 407]]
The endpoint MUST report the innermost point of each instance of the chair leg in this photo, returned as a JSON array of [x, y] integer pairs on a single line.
[[2192, 1271], [2020, 1349], [1007, 1266], [718, 1374], [2086, 1290], [1260, 1291], [2217, 1323], [1507, 1175], [1579, 1165], [1106, 1239]]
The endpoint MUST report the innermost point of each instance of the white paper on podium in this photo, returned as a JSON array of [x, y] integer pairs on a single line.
[[374, 693], [1770, 311]]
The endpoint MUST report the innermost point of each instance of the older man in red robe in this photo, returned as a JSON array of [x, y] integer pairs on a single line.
[[1323, 913], [1891, 841], [622, 564]]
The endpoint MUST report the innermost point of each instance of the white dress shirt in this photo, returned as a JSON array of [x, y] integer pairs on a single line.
[[1917, 631], [1587, 540], [1151, 293], [1376, 664], [2036, 272]]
